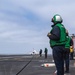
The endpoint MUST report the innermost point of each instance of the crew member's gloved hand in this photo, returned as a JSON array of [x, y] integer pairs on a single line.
[[48, 34]]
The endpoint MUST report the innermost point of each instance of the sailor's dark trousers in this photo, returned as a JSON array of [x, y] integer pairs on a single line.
[[58, 55]]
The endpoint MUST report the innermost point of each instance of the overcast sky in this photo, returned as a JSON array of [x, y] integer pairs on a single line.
[[24, 24]]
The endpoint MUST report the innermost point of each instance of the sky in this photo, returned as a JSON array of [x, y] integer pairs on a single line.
[[24, 24]]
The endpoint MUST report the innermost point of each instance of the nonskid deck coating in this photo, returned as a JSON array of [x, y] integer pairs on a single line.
[[11, 65]]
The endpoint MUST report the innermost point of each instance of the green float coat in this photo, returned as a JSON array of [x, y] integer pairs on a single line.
[[62, 39]]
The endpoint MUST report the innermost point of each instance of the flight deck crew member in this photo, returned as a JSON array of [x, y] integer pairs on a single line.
[[57, 37], [46, 52], [72, 49], [67, 51], [40, 52]]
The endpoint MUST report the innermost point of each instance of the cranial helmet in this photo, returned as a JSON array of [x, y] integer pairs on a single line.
[[57, 19], [66, 31]]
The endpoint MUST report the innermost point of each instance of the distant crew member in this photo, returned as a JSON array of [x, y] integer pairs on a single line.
[[46, 51], [57, 36], [40, 52]]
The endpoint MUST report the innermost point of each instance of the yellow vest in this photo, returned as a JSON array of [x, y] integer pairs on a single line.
[[71, 49]]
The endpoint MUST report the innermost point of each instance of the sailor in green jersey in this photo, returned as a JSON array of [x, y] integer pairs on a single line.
[[67, 51], [57, 36]]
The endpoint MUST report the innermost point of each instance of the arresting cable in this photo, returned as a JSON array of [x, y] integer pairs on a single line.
[[24, 66]]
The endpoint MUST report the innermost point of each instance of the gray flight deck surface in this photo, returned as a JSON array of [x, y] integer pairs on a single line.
[[29, 65]]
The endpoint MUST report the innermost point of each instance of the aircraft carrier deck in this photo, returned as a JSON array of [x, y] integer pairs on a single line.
[[29, 65]]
